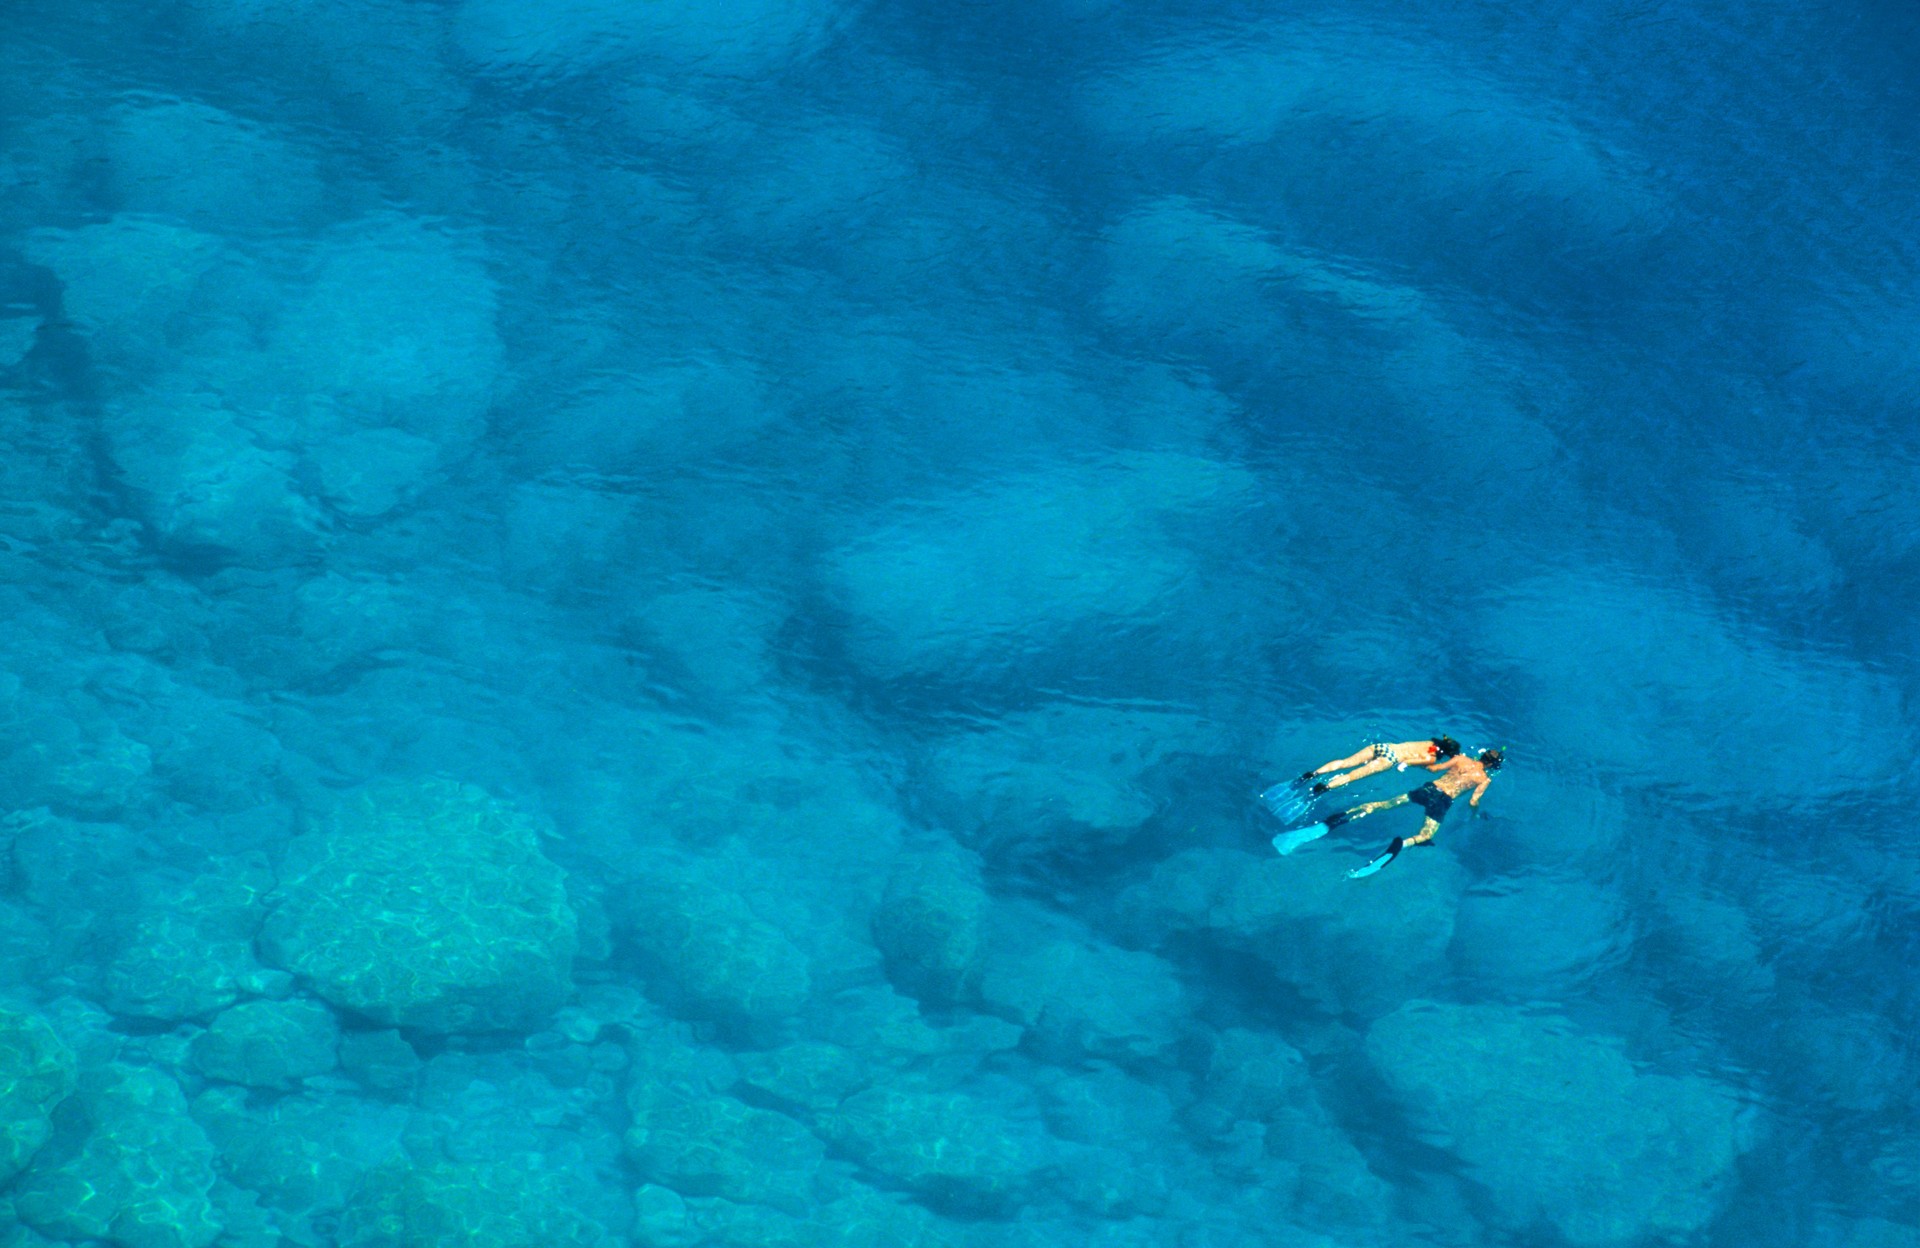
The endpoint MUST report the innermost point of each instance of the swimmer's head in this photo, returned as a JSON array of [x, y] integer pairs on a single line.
[[1491, 759], [1445, 747]]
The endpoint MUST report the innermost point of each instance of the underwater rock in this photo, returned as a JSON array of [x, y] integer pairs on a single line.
[[126, 1164], [955, 1150], [204, 482], [1126, 1153], [1859, 505], [25, 941], [1721, 686], [666, 1060], [426, 905], [1080, 998], [76, 761], [207, 751], [1762, 537], [680, 36], [1841, 1060], [1297, 916], [1246, 1076], [708, 950], [191, 948], [331, 623], [721, 640], [822, 823], [366, 473], [560, 535], [535, 1105], [1839, 1231], [1388, 143], [80, 878], [1856, 336], [382, 1060], [861, 1218], [268, 1044], [37, 1072], [930, 926], [1066, 782], [637, 416], [187, 161], [810, 1076], [892, 1034], [302, 1154], [476, 1205], [720, 1146], [1102, 1105], [132, 284], [1714, 942], [1538, 937], [1261, 1120], [1344, 333], [17, 337], [837, 184], [1012, 570], [1558, 1126], [394, 330], [1197, 279], [758, 806]]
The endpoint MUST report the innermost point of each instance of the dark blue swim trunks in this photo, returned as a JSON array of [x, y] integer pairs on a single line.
[[1429, 798]]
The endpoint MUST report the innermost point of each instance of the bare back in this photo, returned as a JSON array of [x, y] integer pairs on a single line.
[[1413, 753], [1462, 773]]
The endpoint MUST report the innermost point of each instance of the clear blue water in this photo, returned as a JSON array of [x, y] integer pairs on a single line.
[[657, 624]]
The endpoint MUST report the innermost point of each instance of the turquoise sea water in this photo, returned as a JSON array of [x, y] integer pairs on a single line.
[[657, 624]]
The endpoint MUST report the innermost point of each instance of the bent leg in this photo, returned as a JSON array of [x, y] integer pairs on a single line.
[[1426, 832], [1365, 809]]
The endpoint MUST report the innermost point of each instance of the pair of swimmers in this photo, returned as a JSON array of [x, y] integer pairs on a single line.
[[1459, 774]]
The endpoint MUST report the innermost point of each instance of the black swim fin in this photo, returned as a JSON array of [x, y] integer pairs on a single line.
[[1392, 851]]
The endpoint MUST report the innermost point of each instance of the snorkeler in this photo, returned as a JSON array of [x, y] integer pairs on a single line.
[[1291, 799], [1457, 775]]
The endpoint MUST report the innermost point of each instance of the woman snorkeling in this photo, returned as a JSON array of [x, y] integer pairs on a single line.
[[1291, 799]]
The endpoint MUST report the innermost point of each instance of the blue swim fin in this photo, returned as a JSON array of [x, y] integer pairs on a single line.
[[1287, 842], [1288, 801], [1392, 851]]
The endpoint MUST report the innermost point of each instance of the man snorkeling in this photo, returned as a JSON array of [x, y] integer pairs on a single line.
[[1458, 775], [1291, 799]]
